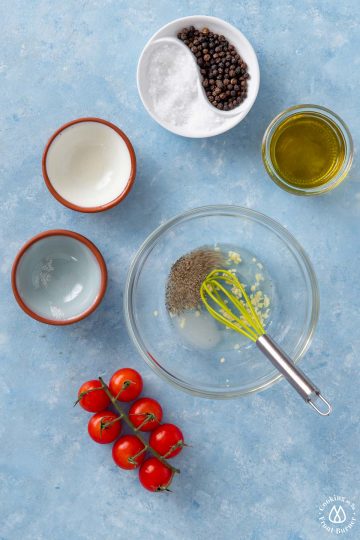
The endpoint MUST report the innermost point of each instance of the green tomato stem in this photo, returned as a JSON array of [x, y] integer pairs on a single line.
[[132, 459], [125, 385], [175, 446], [108, 424], [132, 427], [149, 418], [83, 394]]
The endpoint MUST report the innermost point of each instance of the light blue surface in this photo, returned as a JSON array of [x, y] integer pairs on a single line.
[[58, 278], [257, 468]]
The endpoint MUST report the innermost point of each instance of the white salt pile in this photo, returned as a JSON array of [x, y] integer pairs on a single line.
[[174, 92]]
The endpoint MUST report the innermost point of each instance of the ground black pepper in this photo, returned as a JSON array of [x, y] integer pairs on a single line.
[[186, 276], [223, 70]]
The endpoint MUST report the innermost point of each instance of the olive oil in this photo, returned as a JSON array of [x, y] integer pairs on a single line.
[[307, 150]]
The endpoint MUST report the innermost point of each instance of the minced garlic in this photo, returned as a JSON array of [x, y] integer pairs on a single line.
[[182, 322], [236, 292], [226, 315], [234, 257]]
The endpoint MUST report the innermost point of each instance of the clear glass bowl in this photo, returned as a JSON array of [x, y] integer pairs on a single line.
[[225, 371], [332, 119]]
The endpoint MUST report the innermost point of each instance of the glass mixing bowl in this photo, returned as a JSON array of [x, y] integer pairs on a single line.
[[231, 366]]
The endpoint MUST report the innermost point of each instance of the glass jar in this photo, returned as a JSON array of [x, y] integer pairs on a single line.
[[340, 131]]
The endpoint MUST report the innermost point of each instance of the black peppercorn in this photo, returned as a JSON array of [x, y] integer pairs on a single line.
[[224, 73]]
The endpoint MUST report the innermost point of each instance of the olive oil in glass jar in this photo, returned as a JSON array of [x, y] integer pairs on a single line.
[[307, 150]]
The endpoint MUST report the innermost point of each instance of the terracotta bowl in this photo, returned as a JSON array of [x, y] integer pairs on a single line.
[[89, 165], [59, 277]]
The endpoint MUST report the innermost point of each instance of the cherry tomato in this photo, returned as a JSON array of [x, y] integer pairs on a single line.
[[154, 475], [125, 449], [146, 414], [126, 384], [102, 428], [167, 440], [92, 397]]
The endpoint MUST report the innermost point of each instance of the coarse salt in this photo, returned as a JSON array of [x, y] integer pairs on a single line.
[[176, 99]]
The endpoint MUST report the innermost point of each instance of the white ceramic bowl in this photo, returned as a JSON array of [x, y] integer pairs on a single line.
[[89, 165], [236, 38]]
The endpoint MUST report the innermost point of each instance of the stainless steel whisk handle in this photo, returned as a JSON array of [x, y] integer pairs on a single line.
[[302, 384]]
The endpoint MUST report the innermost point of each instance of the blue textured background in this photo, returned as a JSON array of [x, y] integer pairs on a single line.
[[258, 468]]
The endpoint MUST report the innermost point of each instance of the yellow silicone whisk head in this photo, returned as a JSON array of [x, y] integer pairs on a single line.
[[217, 294]]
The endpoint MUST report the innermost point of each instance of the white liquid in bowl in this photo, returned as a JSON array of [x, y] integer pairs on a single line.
[[89, 164]]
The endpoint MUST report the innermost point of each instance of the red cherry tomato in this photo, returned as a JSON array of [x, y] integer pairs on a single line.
[[125, 452], [146, 414], [154, 475], [102, 428], [126, 384], [167, 440], [92, 397]]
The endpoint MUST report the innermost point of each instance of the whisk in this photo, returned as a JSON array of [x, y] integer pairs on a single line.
[[218, 298]]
